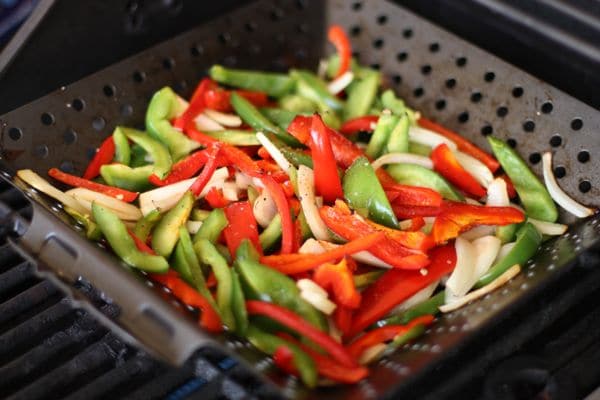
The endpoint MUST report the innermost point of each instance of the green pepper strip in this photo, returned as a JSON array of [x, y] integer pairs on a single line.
[[166, 233], [144, 225], [123, 245], [92, 231], [401, 340], [138, 156], [238, 303], [396, 105], [122, 149], [297, 104], [235, 137], [296, 157], [159, 154], [420, 149], [310, 86], [533, 194], [280, 117], [269, 343], [272, 233], [364, 280], [426, 307], [361, 96], [365, 194], [526, 245], [273, 84], [212, 226], [379, 138], [250, 114], [416, 175], [209, 255], [185, 261], [124, 177], [398, 141], [199, 214], [162, 108], [266, 284]]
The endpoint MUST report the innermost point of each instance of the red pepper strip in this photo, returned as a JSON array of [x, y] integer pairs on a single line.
[[198, 136], [463, 144], [297, 324], [384, 334], [327, 180], [263, 153], [288, 188], [284, 359], [291, 264], [342, 317], [459, 217], [359, 124], [300, 128], [209, 319], [219, 99], [273, 170], [396, 285], [405, 250], [412, 195], [328, 367], [338, 37], [181, 170], [211, 280], [104, 155], [283, 207], [197, 104], [404, 212], [416, 223], [446, 164], [242, 225], [72, 180], [510, 188], [215, 198], [208, 170], [338, 278]]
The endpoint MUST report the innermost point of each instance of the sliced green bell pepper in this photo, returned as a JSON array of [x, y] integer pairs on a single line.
[[280, 117], [139, 157], [533, 194], [92, 231], [235, 137], [426, 307], [272, 233], [212, 226], [144, 225], [381, 134], [398, 140], [124, 177], [238, 305], [310, 86], [296, 157], [361, 96], [297, 104], [199, 214], [365, 194], [396, 105], [116, 234], [156, 151], [166, 233], [273, 84], [416, 175], [364, 280], [420, 149], [122, 149]]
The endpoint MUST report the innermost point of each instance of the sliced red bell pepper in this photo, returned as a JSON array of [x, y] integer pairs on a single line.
[[273, 170], [104, 155], [296, 323], [404, 212], [338, 37], [290, 264], [416, 223], [406, 195], [396, 285], [327, 180], [208, 170], [72, 180], [197, 104], [182, 169], [400, 249], [284, 359], [209, 318], [510, 188], [342, 317], [446, 164], [220, 99], [215, 198], [359, 124], [194, 134], [384, 334], [263, 153], [338, 279], [288, 188], [463, 144], [460, 217], [242, 225]]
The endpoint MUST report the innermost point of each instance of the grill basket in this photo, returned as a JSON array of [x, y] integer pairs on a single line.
[[444, 77]]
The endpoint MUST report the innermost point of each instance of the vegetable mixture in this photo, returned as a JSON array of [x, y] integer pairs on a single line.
[[315, 215]]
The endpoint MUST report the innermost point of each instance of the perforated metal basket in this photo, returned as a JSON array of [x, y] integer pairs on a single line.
[[445, 78]]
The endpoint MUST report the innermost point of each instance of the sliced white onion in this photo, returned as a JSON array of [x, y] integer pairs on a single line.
[[230, 191], [274, 152], [182, 105], [334, 332], [322, 68], [402, 158], [206, 124], [229, 120], [495, 284], [311, 286], [487, 249], [476, 168], [497, 194], [548, 228], [478, 232], [39, 183], [306, 189], [558, 195], [429, 138], [165, 197], [242, 180], [372, 353], [311, 246], [264, 208], [504, 250], [405, 224], [338, 84], [464, 275], [417, 298], [364, 256], [193, 226], [319, 302], [471, 201], [123, 210]]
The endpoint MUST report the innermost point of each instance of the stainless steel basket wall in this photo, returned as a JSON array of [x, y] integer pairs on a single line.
[[445, 78]]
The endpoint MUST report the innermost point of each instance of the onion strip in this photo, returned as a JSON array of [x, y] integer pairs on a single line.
[[206, 124], [39, 183], [306, 189], [402, 158], [123, 210], [229, 120], [548, 228], [429, 138], [337, 85], [274, 152], [476, 168]]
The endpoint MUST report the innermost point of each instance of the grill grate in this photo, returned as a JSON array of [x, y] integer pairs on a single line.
[[463, 87]]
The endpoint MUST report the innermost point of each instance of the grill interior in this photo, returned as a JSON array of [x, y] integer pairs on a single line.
[[444, 77]]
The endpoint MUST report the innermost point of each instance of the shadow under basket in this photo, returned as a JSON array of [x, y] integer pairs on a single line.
[[447, 79]]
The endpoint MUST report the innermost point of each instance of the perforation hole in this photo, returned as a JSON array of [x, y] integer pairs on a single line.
[[585, 186], [77, 104], [375, 66], [40, 151], [440, 104], [476, 97], [489, 76], [517, 91], [576, 124], [487, 130], [583, 156], [560, 172], [355, 30], [535, 158], [15, 134], [277, 14], [139, 76], [67, 166], [502, 111], [382, 19], [378, 43], [426, 69], [450, 83], [555, 141], [126, 110], [402, 56], [547, 107], [224, 38], [512, 143], [418, 92], [303, 28], [463, 117], [356, 6], [397, 79], [529, 126], [108, 90], [434, 47], [47, 118], [407, 33], [250, 26], [168, 63], [98, 123], [461, 61], [70, 136]]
